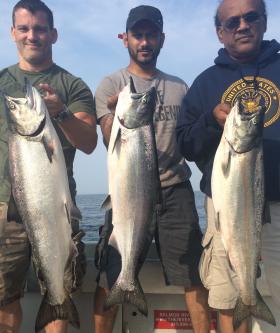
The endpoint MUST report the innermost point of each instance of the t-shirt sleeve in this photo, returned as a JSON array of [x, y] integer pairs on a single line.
[[80, 97], [104, 90]]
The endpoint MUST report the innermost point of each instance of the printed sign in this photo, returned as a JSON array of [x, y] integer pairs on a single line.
[[173, 320]]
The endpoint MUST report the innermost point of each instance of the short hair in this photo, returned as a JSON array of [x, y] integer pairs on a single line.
[[34, 6], [217, 19]]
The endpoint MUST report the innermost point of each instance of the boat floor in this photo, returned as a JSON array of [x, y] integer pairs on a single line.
[[166, 304]]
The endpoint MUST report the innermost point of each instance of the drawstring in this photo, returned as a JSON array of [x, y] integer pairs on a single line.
[[252, 81]]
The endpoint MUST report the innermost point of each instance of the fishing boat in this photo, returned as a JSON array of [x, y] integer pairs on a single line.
[[167, 312]]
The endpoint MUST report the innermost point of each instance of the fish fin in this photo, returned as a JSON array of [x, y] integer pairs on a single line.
[[107, 204], [260, 310], [229, 262], [70, 269], [132, 86], [73, 274], [75, 213], [240, 313], [79, 265], [225, 165], [135, 297], [114, 138], [68, 213], [48, 313], [49, 147], [217, 222]]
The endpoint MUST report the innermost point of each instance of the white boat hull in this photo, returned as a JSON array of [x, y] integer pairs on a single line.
[[166, 304]]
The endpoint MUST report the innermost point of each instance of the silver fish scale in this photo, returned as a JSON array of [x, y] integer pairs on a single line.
[[133, 181], [41, 191], [238, 198]]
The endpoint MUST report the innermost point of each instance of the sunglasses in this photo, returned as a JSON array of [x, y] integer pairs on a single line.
[[233, 22]]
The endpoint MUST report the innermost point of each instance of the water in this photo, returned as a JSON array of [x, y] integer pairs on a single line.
[[93, 215]]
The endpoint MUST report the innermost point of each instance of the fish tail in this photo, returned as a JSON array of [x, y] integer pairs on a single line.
[[48, 313], [260, 311], [135, 297]]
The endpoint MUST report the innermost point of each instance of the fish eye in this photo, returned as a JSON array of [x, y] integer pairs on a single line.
[[11, 105]]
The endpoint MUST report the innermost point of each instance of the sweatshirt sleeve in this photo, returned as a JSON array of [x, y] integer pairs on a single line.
[[197, 131]]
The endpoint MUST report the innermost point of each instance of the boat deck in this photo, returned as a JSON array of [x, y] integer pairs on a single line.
[[166, 304]]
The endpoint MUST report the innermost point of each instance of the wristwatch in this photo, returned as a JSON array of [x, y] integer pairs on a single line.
[[62, 115]]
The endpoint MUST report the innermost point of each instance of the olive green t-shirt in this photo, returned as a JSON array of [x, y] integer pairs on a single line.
[[74, 93]]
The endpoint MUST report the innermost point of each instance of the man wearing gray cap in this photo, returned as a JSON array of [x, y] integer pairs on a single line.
[[176, 229]]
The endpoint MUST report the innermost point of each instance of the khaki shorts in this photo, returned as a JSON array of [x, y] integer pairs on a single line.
[[271, 253], [14, 258], [214, 268]]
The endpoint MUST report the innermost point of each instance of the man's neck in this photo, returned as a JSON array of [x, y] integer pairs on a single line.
[[145, 72], [25, 66], [246, 58]]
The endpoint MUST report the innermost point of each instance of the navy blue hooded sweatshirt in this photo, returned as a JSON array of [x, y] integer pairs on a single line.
[[198, 133]]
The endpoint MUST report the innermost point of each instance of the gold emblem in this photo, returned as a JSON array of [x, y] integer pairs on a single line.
[[267, 95], [251, 101]]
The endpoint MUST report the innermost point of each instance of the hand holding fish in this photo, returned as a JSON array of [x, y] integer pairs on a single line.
[[112, 103], [52, 100], [106, 122], [220, 113]]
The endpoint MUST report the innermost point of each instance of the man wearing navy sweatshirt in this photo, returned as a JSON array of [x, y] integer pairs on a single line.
[[248, 67]]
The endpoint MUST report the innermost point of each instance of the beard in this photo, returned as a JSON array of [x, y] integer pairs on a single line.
[[147, 60]]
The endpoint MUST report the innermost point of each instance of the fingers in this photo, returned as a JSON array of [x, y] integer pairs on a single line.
[[47, 88], [220, 113], [52, 100]]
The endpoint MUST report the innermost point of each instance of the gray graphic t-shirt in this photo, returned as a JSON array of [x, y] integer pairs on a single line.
[[170, 94]]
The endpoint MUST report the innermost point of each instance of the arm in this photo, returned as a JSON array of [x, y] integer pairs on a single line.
[[80, 131], [198, 130], [79, 127], [106, 123], [106, 99]]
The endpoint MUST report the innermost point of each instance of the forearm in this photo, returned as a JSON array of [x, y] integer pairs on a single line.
[[80, 131], [196, 137], [79, 128], [106, 123]]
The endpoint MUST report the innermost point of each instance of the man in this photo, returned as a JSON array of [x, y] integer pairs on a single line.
[[177, 230], [246, 68], [70, 104]]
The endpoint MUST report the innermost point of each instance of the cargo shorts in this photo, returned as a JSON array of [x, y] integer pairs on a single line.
[[215, 271], [177, 236], [271, 251], [14, 258]]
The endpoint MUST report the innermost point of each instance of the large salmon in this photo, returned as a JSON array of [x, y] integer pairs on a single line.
[[238, 197], [133, 188], [41, 192]]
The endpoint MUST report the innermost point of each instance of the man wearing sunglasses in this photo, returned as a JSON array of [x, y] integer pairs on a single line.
[[247, 68]]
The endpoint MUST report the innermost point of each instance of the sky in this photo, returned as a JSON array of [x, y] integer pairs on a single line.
[[88, 47]]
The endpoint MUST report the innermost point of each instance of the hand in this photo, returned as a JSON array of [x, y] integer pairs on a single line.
[[112, 103], [52, 100], [220, 113]]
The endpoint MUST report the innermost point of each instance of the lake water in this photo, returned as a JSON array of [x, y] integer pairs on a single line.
[[93, 215]]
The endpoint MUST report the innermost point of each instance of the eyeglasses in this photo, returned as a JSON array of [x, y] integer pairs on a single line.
[[233, 22]]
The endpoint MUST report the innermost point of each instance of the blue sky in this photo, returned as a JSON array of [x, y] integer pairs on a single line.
[[89, 48]]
